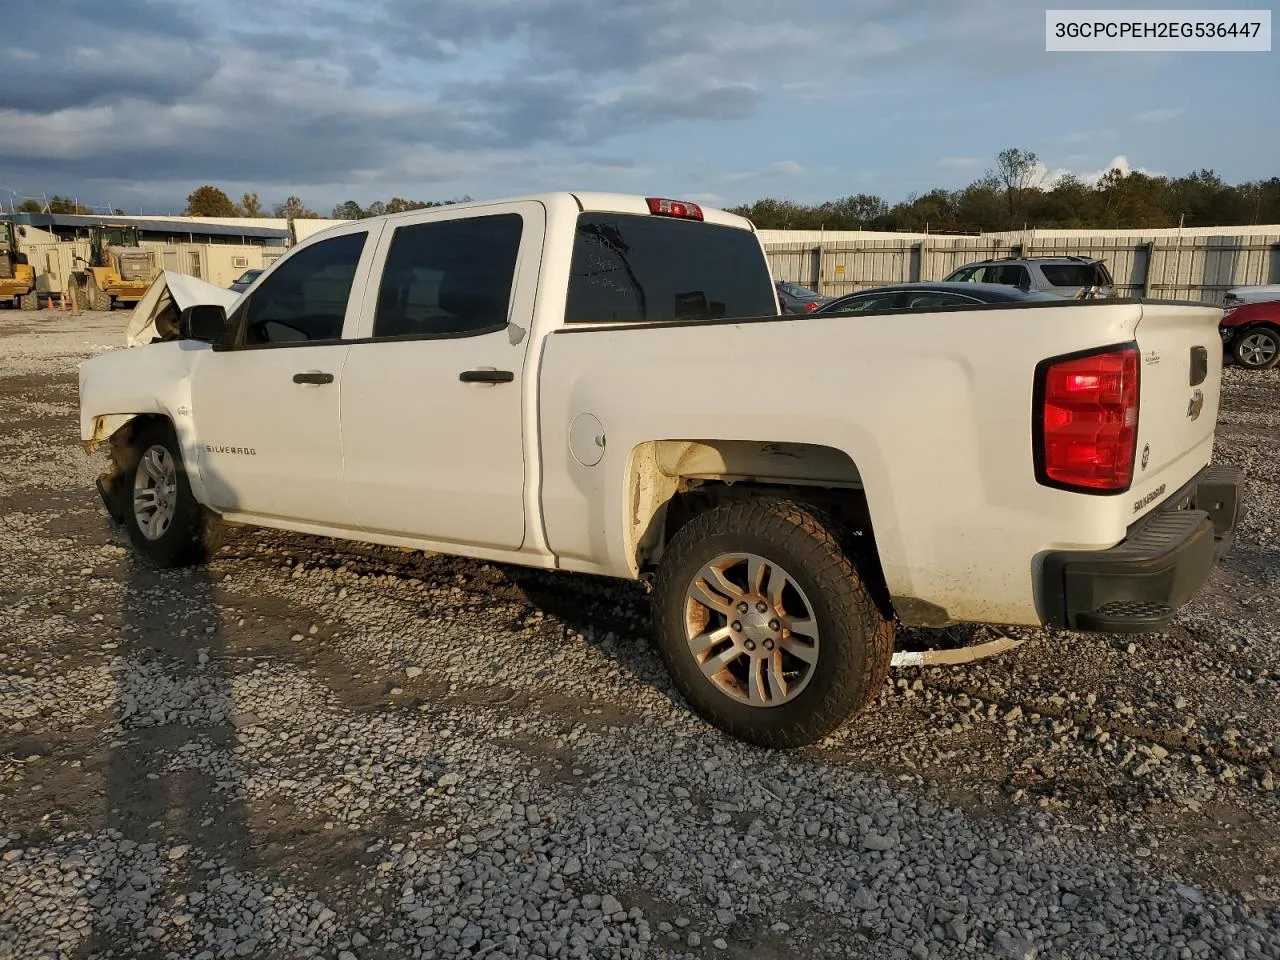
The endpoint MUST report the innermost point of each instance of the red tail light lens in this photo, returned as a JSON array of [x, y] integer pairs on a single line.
[[810, 306], [1086, 420], [674, 208]]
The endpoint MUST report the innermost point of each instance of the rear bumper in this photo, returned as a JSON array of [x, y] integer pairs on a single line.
[[1139, 584]]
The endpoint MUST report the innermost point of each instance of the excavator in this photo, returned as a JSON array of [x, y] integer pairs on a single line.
[[119, 270], [17, 278]]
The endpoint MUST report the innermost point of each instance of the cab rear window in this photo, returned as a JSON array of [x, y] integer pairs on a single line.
[[628, 268]]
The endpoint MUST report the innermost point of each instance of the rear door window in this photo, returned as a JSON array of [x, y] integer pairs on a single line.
[[449, 278], [633, 268], [1009, 274]]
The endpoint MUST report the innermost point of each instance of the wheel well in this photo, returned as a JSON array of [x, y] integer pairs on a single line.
[[672, 482], [123, 437]]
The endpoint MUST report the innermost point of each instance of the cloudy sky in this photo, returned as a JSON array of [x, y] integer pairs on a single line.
[[722, 101]]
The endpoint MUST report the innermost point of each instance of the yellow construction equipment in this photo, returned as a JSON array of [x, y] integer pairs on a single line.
[[119, 269], [17, 277]]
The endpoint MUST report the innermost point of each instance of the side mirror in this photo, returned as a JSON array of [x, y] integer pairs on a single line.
[[206, 322]]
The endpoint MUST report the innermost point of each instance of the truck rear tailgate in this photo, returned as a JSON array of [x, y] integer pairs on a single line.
[[1180, 382]]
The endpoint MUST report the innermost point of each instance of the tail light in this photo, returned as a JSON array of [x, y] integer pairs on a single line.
[[810, 306], [1086, 420], [674, 208]]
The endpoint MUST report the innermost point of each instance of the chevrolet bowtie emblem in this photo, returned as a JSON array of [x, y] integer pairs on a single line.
[[1195, 405]]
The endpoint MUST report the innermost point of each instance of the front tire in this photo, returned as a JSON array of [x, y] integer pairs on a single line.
[[29, 302], [94, 297], [766, 626], [166, 524], [1257, 348]]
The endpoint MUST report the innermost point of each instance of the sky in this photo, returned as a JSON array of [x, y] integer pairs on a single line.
[[718, 101]]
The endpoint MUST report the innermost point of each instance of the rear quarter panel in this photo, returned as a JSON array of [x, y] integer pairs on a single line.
[[934, 409]]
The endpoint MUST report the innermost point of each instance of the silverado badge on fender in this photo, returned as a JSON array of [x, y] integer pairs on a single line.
[[1195, 405]]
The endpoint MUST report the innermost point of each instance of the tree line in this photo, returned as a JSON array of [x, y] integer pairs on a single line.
[[210, 201], [1014, 194], [1011, 195]]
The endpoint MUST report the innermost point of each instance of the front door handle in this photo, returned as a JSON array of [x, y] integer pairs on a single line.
[[313, 376], [486, 376]]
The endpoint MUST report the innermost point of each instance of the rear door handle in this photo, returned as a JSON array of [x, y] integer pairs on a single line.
[[313, 376], [486, 376]]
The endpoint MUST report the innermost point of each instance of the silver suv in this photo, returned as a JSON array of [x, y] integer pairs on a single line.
[[1069, 277]]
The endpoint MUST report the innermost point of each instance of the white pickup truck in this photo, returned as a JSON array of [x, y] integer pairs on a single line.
[[603, 383]]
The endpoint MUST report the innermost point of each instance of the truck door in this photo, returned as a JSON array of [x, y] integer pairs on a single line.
[[432, 434], [266, 410]]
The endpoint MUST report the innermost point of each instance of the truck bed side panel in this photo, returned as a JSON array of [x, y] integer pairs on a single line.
[[933, 409]]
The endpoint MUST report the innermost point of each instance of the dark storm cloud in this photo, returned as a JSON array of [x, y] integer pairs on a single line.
[[339, 92], [61, 55]]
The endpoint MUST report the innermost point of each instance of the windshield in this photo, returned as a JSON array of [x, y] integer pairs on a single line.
[[797, 291], [120, 236], [249, 276], [5, 234]]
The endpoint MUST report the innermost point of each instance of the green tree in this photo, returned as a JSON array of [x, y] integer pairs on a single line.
[[59, 204], [251, 205], [982, 205], [209, 201], [853, 212], [1018, 172], [348, 210], [292, 209], [1130, 200], [30, 206]]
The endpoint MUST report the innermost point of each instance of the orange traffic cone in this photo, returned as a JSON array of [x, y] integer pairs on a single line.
[[50, 306]]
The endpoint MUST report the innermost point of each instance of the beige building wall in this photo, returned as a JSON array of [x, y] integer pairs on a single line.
[[218, 263]]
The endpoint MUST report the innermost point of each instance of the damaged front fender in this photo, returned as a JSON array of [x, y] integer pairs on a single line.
[[103, 427]]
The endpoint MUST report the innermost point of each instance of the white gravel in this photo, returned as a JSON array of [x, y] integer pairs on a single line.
[[312, 749]]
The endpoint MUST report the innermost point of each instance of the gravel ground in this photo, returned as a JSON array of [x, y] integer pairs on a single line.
[[318, 749]]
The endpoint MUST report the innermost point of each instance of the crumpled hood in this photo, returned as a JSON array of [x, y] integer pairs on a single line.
[[156, 315]]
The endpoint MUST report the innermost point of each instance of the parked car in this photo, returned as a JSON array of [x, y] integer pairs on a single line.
[[1251, 334], [1257, 294], [788, 515], [794, 298], [930, 296], [1068, 277], [245, 280]]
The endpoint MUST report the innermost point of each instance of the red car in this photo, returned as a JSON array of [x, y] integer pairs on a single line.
[[1251, 334]]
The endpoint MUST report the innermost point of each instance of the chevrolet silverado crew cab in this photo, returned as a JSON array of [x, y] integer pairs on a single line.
[[604, 384]]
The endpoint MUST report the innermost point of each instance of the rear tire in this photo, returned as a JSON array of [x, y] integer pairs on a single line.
[[828, 645], [29, 302], [1257, 348], [166, 524]]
